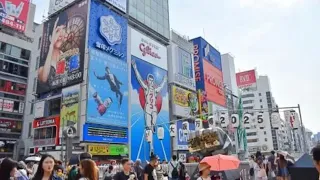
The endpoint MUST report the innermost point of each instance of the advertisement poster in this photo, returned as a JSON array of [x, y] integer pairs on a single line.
[[149, 107], [69, 113], [108, 149], [7, 105], [10, 126], [46, 131], [63, 49], [213, 81], [107, 90], [148, 50], [182, 138], [185, 103], [14, 14], [105, 134], [246, 79], [108, 31]]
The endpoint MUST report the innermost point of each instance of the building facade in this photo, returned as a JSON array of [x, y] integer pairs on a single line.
[[17, 39]]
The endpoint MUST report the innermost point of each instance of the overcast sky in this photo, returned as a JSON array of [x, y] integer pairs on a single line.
[[278, 37]]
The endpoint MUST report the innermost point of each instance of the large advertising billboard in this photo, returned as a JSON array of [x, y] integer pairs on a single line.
[[14, 14], [63, 49], [184, 102], [56, 5], [107, 90], [213, 81], [149, 107], [7, 125], [69, 113], [46, 131], [108, 149], [246, 79], [148, 50], [182, 136], [105, 134]]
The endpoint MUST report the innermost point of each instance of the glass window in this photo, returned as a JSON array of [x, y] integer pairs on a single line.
[[25, 54], [154, 25], [166, 33], [133, 12], [30, 129], [160, 9], [147, 21], [147, 11], [54, 106], [160, 19], [259, 94], [23, 71], [39, 43], [140, 16], [31, 108], [165, 4], [160, 28], [154, 5], [140, 6], [15, 51], [147, 2], [153, 15], [34, 85], [166, 16], [261, 106], [8, 49], [3, 47], [133, 3], [5, 66]]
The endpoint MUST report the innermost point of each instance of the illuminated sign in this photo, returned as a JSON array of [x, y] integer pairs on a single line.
[[197, 63]]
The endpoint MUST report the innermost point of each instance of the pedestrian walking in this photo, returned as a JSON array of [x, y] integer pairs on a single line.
[[109, 173], [149, 170], [174, 168], [272, 166], [283, 172], [182, 171], [138, 169], [165, 169], [8, 169], [125, 173], [88, 170], [204, 171], [45, 170]]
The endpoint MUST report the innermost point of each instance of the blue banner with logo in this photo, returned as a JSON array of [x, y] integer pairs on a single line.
[[107, 97], [182, 138]]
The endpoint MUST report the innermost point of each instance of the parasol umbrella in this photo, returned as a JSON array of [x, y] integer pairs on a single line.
[[222, 162], [33, 158]]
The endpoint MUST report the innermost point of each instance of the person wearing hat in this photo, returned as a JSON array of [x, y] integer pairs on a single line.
[[204, 171]]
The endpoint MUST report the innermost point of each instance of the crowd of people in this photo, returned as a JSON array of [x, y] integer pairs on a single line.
[[273, 167]]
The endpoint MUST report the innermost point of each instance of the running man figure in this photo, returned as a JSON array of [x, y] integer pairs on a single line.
[[113, 82], [151, 91]]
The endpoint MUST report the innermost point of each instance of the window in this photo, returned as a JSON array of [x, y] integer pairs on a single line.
[[54, 106], [259, 94], [248, 102], [8, 49], [31, 151], [34, 85], [265, 132], [31, 108], [252, 140], [260, 100], [25, 54], [30, 129], [15, 51], [37, 63], [248, 95], [39, 43], [261, 106], [3, 47], [45, 133], [252, 134], [265, 139]]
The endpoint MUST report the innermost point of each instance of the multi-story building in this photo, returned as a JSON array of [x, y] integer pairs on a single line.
[[229, 73], [16, 43]]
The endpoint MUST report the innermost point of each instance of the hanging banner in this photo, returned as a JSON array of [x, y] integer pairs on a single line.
[[292, 118]]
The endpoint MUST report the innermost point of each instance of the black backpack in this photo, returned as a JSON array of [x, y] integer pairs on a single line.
[[174, 173], [251, 171]]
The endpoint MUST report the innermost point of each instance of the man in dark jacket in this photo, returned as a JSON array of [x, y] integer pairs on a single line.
[[138, 169]]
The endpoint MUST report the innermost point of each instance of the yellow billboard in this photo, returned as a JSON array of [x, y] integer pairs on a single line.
[[185, 102], [108, 149], [98, 149]]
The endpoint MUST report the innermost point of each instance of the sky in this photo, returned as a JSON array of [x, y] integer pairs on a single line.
[[279, 38]]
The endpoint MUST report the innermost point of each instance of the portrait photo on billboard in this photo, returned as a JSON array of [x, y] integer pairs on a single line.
[[149, 107], [63, 48], [14, 14], [107, 31], [107, 89], [69, 113], [184, 102]]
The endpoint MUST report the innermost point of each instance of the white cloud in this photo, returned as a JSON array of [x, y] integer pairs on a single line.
[[268, 3]]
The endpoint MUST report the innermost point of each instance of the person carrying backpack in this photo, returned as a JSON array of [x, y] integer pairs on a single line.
[[173, 168]]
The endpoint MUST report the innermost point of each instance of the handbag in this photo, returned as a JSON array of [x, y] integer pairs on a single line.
[[273, 174]]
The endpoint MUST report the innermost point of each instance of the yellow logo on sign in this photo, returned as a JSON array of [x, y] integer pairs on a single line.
[[98, 149]]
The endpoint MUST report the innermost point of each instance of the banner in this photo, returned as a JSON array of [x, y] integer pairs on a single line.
[[184, 102], [105, 134], [292, 117], [63, 49], [14, 14], [247, 80], [69, 113], [108, 90], [182, 138], [110, 149], [149, 107]]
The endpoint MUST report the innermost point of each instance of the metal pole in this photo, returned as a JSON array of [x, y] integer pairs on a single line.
[[303, 131]]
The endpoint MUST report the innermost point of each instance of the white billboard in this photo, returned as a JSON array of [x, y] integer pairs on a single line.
[[7, 105], [56, 5], [120, 4], [39, 109], [184, 102], [148, 49], [181, 69], [292, 118]]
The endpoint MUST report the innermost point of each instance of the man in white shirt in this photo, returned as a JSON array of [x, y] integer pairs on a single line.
[[173, 168]]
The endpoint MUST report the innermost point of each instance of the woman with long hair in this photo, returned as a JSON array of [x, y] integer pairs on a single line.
[[8, 169], [283, 173], [45, 169], [88, 170]]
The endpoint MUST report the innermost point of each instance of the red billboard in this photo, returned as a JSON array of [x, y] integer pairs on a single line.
[[213, 82], [246, 78], [14, 13], [46, 131]]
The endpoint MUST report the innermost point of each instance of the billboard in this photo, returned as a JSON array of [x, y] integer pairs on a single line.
[[213, 81], [184, 102], [107, 31], [246, 79], [292, 118], [108, 149], [107, 90], [105, 134], [182, 138], [120, 4], [46, 131], [148, 49], [149, 107], [14, 14], [63, 49], [69, 113], [181, 69], [198, 64], [10, 126], [56, 5]]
